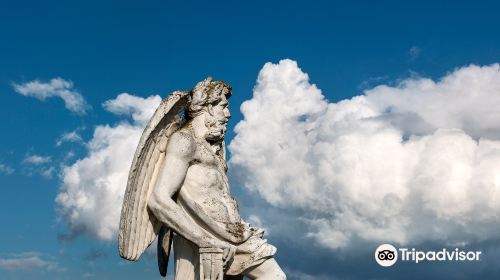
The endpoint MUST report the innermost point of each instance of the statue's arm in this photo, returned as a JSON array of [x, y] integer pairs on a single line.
[[179, 153]]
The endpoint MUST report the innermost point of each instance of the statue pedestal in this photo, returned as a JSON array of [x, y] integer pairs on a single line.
[[211, 264]]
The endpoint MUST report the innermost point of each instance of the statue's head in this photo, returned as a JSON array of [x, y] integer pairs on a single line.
[[209, 98]]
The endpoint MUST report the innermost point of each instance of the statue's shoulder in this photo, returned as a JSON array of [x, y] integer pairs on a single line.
[[182, 142]]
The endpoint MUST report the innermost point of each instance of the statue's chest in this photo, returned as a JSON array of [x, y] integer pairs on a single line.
[[208, 170], [207, 157]]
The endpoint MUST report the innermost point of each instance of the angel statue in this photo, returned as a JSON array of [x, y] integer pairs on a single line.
[[178, 191]]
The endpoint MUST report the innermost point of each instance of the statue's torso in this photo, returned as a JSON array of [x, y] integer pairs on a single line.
[[207, 183]]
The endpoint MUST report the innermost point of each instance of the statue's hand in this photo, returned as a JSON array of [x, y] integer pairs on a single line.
[[228, 249], [228, 254]]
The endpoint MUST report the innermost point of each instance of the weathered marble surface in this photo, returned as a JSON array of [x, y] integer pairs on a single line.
[[178, 190]]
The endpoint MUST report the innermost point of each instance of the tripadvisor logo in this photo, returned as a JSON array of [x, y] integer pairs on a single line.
[[386, 255]]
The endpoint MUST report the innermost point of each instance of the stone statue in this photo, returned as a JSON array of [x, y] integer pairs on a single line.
[[178, 191]]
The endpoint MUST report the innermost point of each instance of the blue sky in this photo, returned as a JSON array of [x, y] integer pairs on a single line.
[[156, 47]]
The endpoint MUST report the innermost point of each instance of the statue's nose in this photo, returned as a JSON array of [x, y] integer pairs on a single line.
[[227, 114]]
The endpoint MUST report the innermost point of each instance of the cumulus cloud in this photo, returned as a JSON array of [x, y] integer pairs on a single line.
[[28, 261], [405, 164], [56, 87], [92, 188], [140, 109]]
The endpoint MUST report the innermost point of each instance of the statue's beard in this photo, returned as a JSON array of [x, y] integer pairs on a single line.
[[216, 128]]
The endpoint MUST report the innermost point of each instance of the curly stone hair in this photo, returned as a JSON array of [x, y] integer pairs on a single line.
[[207, 92]]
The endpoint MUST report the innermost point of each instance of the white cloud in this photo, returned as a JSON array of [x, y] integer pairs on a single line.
[[36, 159], [48, 172], [5, 169], [140, 109], [37, 164], [466, 99], [405, 164], [92, 190], [28, 261], [56, 87], [72, 136]]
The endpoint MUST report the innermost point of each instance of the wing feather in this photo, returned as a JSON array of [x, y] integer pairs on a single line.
[[142, 214], [138, 226], [143, 239], [134, 239]]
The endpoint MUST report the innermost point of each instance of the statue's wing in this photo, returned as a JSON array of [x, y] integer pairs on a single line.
[[138, 226]]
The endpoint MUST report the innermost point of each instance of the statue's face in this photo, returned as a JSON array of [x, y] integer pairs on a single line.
[[216, 119]]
